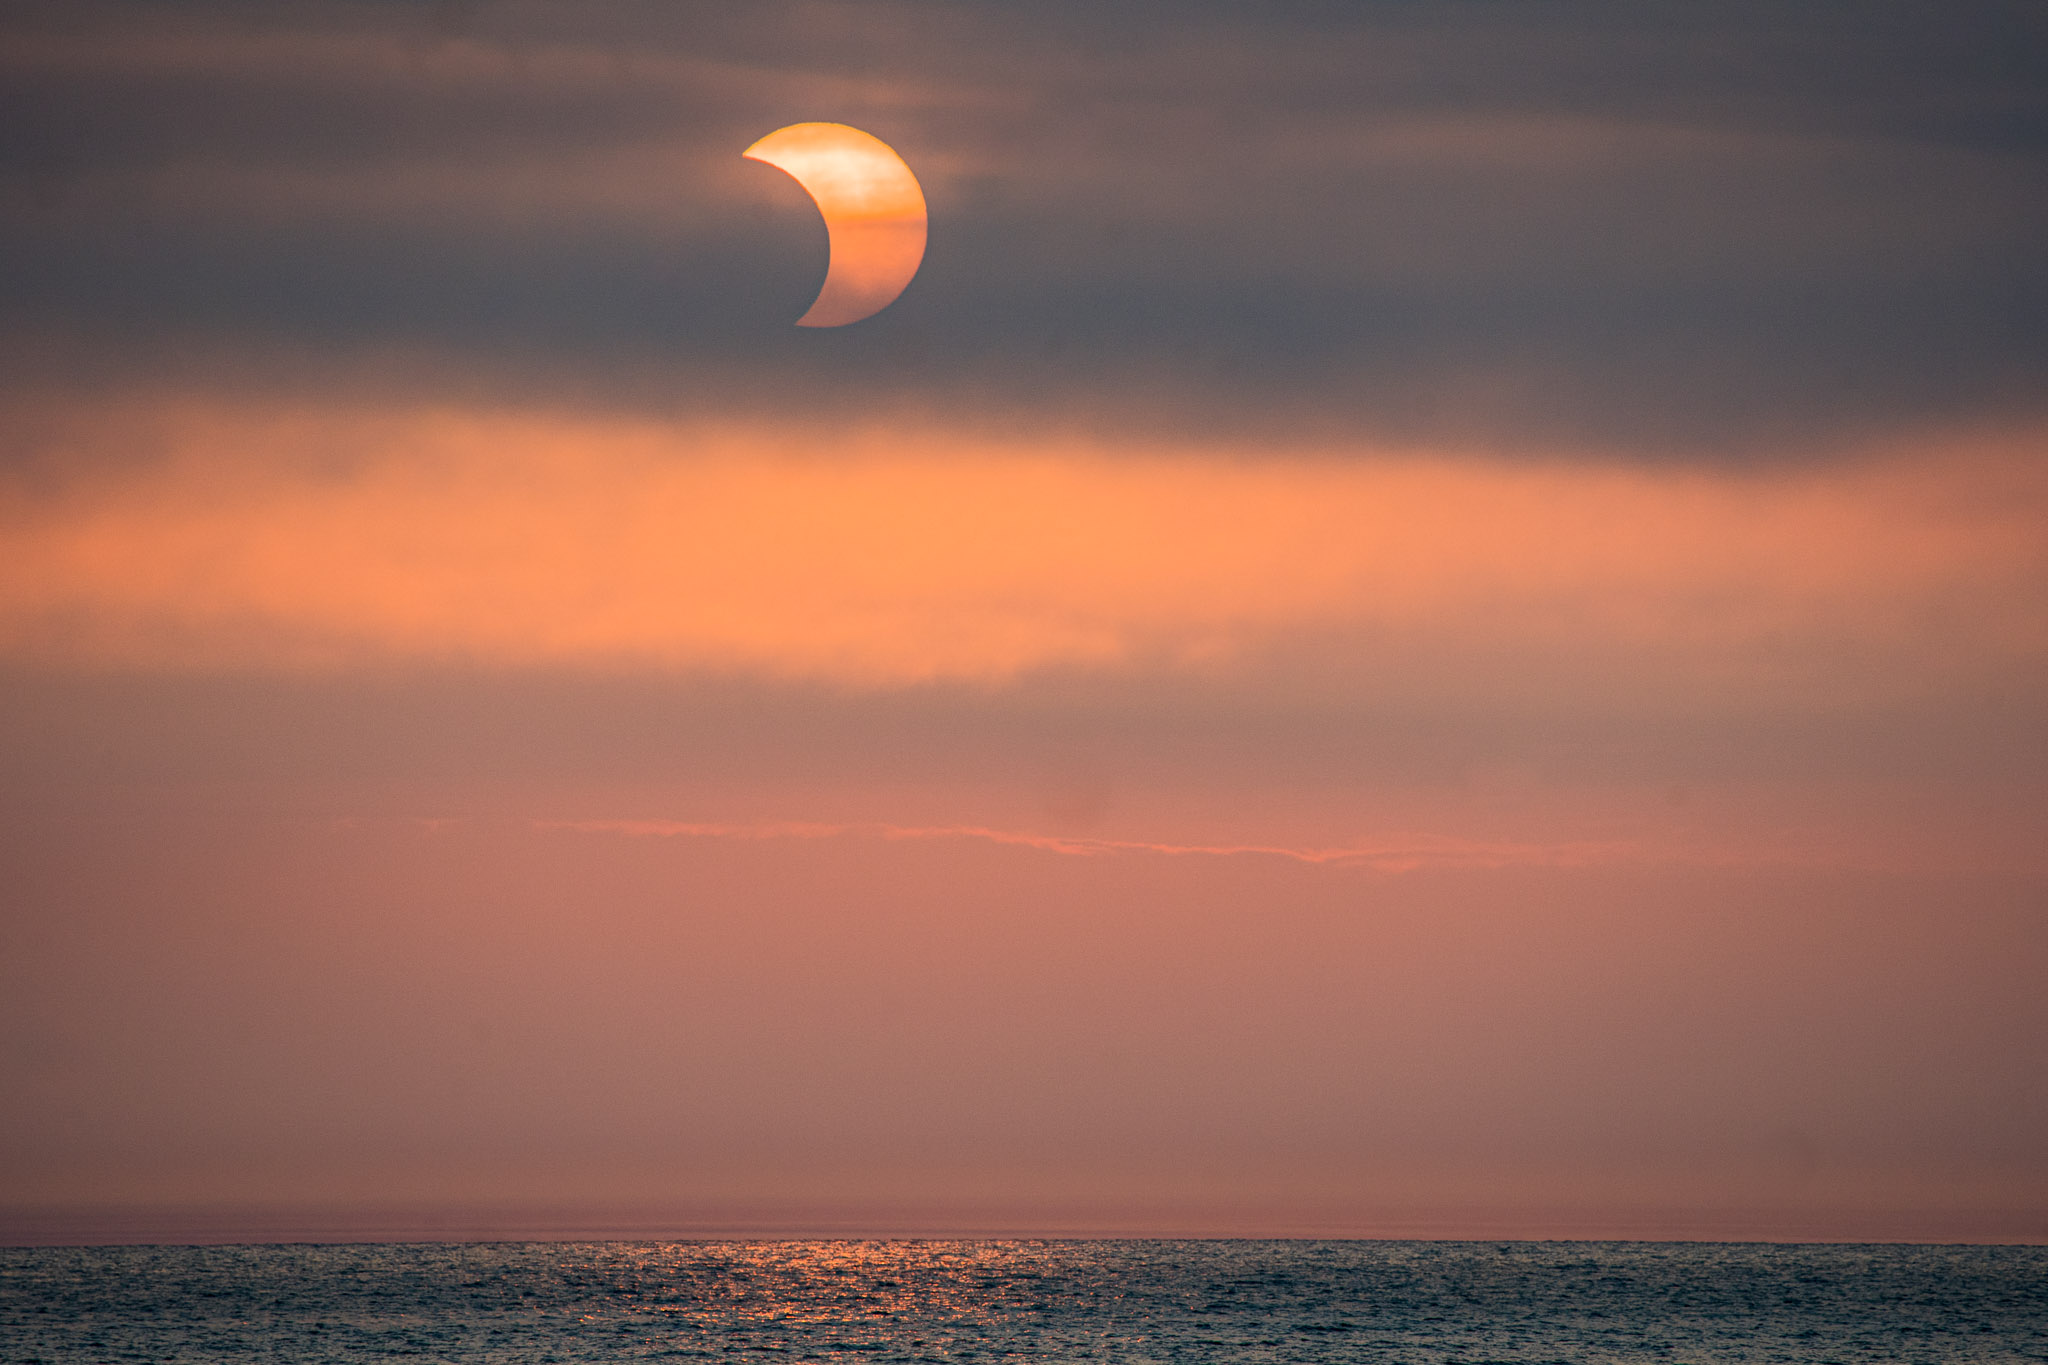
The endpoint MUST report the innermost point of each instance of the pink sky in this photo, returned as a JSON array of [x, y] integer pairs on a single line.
[[932, 941], [1359, 652]]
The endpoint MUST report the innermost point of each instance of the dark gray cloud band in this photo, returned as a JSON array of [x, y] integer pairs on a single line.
[[1642, 228]]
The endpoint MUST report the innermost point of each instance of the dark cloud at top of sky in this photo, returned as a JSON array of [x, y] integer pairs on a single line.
[[1636, 227]]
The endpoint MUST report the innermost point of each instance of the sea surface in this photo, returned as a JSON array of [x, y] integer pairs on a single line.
[[1022, 1300]]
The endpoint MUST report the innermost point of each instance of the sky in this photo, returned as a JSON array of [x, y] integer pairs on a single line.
[[1428, 619]]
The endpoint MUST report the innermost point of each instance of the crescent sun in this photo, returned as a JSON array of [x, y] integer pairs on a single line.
[[873, 209]]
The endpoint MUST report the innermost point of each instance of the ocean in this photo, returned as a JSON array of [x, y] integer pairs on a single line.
[[1125, 1301]]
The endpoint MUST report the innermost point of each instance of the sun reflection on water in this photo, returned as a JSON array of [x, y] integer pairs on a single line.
[[1321, 1303]]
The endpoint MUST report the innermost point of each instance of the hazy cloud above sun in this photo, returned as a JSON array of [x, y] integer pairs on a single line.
[[1633, 229]]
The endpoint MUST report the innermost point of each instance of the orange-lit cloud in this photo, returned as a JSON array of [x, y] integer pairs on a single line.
[[270, 539]]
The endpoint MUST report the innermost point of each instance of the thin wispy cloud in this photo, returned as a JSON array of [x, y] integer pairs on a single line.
[[1400, 853]]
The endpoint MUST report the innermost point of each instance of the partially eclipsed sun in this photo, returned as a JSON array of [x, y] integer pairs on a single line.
[[873, 209]]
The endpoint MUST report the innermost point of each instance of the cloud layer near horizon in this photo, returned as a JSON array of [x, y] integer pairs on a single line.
[[485, 1018]]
